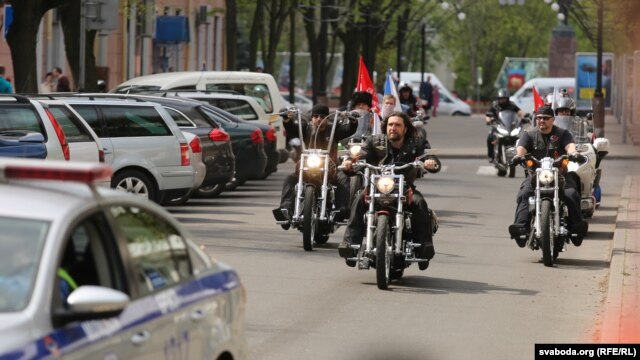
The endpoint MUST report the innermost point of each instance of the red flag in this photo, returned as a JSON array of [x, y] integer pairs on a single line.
[[365, 84], [537, 100]]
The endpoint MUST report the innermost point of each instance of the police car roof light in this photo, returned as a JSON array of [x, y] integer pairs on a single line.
[[54, 170]]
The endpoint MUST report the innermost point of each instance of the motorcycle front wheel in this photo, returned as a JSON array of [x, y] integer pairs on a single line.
[[309, 222], [546, 237], [383, 252]]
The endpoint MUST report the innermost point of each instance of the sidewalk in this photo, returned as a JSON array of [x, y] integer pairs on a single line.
[[621, 312], [621, 316]]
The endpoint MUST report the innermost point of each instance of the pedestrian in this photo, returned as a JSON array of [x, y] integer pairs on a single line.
[[436, 99], [62, 82], [426, 93], [5, 86], [47, 85]]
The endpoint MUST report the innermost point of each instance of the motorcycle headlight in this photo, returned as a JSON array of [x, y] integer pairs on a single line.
[[355, 150], [502, 131], [515, 132], [313, 161], [546, 177], [385, 184]]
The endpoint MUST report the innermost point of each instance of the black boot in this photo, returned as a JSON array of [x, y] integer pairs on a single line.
[[578, 232]]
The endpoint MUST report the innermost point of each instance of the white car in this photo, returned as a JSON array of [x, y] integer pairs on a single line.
[[88, 272], [301, 102], [29, 125]]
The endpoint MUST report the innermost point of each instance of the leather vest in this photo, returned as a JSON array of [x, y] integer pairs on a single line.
[[542, 147]]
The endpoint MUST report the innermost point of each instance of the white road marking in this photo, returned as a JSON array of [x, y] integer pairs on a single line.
[[487, 170]]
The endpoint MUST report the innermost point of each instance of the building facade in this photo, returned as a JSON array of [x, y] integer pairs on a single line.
[[148, 36]]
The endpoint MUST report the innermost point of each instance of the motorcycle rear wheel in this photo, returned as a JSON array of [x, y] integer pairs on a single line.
[[309, 222], [383, 254], [547, 234]]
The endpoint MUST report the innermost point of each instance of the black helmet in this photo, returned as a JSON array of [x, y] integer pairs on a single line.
[[566, 103], [503, 93]]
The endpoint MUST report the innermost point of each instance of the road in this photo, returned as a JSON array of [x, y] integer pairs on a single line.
[[482, 297]]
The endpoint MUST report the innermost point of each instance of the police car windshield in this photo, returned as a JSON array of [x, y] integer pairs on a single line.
[[21, 242]]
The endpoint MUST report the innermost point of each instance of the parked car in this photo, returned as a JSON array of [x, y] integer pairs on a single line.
[[32, 129], [145, 147], [200, 169], [84, 143], [301, 102], [245, 110], [260, 86], [217, 152], [89, 273], [247, 141]]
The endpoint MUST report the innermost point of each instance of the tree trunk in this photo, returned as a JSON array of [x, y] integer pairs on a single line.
[[70, 18], [255, 34], [231, 35], [318, 48], [277, 18], [22, 40]]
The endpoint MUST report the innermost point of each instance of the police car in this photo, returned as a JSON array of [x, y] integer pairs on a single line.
[[88, 272]]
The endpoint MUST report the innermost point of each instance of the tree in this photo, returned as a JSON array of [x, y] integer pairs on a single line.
[[231, 34], [70, 19], [361, 31], [22, 40], [490, 33], [316, 29]]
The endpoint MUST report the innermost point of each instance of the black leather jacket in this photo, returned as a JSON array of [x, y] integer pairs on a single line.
[[378, 150]]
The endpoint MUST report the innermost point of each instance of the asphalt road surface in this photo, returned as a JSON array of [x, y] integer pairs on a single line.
[[481, 298]]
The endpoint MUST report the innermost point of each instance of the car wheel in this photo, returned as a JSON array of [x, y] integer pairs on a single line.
[[208, 192], [134, 182]]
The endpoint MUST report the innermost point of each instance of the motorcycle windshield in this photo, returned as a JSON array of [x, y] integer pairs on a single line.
[[577, 126], [508, 118]]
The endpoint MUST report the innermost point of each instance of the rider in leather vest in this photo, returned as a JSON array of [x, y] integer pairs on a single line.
[[545, 140]]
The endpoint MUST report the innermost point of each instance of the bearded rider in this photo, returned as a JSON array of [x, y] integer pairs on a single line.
[[316, 135], [396, 144]]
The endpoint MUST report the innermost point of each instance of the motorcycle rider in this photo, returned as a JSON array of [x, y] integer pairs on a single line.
[[362, 101], [408, 100], [544, 140], [316, 135], [396, 144], [501, 103]]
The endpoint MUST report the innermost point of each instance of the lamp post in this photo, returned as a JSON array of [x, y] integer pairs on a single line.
[[597, 103], [425, 31]]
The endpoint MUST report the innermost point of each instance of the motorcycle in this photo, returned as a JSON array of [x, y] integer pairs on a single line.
[[388, 246], [420, 123], [549, 215], [314, 209], [589, 172], [507, 130]]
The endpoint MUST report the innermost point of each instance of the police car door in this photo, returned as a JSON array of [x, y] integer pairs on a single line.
[[164, 320]]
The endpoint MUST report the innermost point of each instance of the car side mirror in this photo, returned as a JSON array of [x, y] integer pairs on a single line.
[[90, 302]]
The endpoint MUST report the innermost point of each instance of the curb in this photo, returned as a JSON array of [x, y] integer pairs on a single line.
[[610, 328]]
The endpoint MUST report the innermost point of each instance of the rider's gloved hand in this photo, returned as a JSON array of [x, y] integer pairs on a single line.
[[348, 165], [577, 157], [516, 160]]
